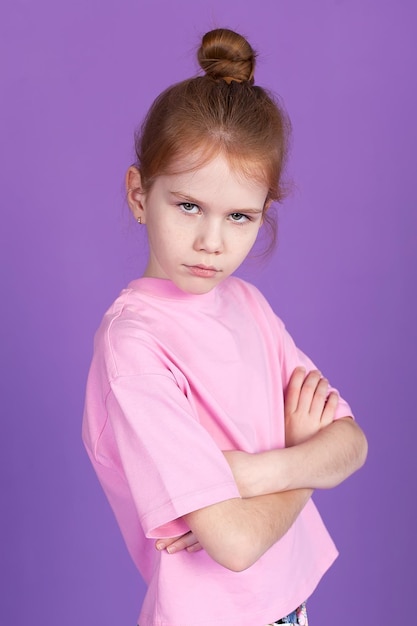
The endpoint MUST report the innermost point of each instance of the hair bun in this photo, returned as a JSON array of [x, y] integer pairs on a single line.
[[227, 55]]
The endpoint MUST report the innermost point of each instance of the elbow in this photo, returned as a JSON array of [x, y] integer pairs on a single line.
[[239, 566], [359, 445], [236, 563], [237, 553], [362, 449], [358, 450], [239, 562]]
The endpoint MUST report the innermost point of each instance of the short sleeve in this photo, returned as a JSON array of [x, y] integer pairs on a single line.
[[171, 463]]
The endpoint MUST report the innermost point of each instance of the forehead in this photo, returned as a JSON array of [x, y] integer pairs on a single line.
[[198, 158], [217, 176]]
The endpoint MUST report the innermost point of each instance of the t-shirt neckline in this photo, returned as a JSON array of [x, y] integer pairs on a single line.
[[166, 289]]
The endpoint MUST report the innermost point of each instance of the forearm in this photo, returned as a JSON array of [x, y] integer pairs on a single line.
[[321, 462], [236, 533]]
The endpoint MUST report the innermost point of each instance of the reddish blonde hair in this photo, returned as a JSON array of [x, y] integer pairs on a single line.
[[222, 112]]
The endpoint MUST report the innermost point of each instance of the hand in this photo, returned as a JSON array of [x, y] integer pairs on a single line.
[[175, 544], [308, 406]]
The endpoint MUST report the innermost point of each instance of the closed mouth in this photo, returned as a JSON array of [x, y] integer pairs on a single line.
[[206, 267], [204, 271]]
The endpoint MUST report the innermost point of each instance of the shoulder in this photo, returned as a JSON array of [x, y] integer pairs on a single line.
[[242, 289], [253, 298], [122, 317], [123, 342]]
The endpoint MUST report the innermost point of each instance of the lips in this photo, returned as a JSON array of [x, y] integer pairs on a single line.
[[204, 271], [206, 267]]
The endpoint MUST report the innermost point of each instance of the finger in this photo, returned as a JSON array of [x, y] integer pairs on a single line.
[[182, 543], [329, 410], [308, 390], [161, 544], [318, 401], [292, 392], [195, 547]]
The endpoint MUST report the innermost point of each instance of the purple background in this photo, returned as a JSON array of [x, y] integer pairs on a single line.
[[76, 80]]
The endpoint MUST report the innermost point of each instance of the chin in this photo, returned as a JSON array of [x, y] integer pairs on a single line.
[[198, 287]]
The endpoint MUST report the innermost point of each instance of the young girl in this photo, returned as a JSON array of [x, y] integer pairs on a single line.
[[207, 427]]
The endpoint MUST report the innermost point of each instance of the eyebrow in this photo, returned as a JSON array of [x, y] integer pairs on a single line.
[[187, 198]]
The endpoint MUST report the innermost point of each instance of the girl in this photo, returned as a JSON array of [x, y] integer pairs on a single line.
[[207, 427]]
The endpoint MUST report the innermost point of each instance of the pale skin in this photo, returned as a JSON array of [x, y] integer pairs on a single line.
[[276, 485], [201, 225]]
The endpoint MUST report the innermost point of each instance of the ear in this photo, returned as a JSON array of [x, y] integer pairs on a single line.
[[135, 195]]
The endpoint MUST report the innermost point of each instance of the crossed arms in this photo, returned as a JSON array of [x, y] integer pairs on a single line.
[[275, 485]]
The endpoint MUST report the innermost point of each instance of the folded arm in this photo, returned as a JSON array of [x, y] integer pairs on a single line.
[[275, 485], [321, 452], [236, 532], [321, 462]]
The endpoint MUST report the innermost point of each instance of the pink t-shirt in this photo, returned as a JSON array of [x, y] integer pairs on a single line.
[[175, 379]]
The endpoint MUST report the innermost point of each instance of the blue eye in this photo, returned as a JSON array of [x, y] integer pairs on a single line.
[[189, 207], [239, 218]]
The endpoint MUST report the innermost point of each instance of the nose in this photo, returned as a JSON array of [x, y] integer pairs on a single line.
[[209, 237]]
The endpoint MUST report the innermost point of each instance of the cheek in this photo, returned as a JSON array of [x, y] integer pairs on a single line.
[[242, 245], [251, 235], [253, 238], [171, 240]]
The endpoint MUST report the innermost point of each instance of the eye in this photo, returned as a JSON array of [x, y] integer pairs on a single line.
[[239, 218], [189, 207]]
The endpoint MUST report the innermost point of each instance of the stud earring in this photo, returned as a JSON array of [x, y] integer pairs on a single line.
[[139, 220]]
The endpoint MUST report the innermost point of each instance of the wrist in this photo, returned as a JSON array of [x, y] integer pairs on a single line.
[[262, 473], [269, 472]]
